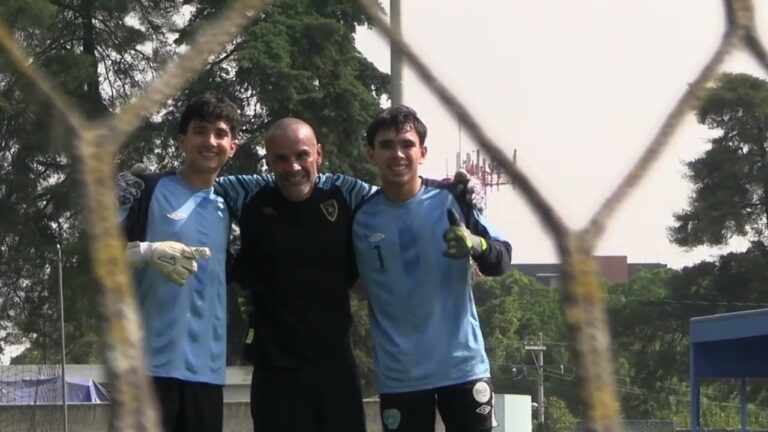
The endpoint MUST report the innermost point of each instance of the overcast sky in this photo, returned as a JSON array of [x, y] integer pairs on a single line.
[[578, 88]]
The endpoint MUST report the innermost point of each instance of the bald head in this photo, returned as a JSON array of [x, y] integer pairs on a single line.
[[294, 156], [290, 128]]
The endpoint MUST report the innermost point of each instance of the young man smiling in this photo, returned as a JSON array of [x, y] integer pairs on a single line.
[[413, 240], [182, 299]]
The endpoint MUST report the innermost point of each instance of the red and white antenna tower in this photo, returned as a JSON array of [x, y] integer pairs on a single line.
[[486, 171]]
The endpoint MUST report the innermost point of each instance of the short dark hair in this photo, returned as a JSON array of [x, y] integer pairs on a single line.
[[398, 118], [209, 108]]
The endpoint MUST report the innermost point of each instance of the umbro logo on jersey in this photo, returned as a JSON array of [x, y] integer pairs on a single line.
[[269, 211], [330, 209], [177, 215], [484, 409], [376, 237]]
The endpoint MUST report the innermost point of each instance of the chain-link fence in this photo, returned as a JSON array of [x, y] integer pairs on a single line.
[[95, 145]]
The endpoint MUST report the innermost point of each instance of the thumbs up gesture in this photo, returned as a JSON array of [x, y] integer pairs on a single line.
[[460, 242]]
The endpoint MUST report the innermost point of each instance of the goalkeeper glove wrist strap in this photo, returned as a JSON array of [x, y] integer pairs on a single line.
[[139, 252]]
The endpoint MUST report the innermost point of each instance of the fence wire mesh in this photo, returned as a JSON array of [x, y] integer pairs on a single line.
[[95, 145]]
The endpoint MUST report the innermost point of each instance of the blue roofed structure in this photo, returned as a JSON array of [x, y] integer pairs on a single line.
[[732, 345]]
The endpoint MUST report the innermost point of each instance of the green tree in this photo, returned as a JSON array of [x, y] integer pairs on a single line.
[[299, 59], [730, 180], [514, 309], [650, 316], [558, 417], [91, 49]]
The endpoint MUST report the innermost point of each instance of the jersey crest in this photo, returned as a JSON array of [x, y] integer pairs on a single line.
[[330, 209]]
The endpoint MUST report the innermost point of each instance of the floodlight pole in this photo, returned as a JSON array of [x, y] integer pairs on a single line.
[[63, 344], [396, 58]]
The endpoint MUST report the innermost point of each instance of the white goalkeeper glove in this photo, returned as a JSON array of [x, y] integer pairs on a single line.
[[176, 261]]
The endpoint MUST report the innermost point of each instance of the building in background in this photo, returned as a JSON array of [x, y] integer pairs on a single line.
[[614, 268]]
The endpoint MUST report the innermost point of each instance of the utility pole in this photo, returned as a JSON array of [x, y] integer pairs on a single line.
[[396, 58], [537, 349]]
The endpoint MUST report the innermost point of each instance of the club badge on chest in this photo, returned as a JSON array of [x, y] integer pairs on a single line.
[[330, 209]]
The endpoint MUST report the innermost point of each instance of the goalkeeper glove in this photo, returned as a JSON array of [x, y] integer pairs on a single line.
[[173, 260], [470, 189], [460, 242], [128, 187]]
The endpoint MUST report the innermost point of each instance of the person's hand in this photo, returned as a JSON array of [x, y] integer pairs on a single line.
[[470, 189], [176, 261], [128, 187], [460, 242]]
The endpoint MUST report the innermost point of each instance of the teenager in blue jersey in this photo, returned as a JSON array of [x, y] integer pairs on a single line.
[[183, 299], [413, 240]]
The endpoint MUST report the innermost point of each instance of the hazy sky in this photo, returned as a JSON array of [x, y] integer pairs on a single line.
[[578, 88]]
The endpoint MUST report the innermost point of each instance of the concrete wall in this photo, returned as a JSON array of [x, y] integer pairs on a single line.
[[513, 414]]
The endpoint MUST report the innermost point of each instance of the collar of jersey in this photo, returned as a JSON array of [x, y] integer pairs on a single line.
[[189, 187], [406, 202]]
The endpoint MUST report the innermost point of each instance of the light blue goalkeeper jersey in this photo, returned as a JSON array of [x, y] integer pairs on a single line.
[[426, 333], [185, 328]]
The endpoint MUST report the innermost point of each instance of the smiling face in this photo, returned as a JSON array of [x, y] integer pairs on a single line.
[[294, 156], [397, 155], [206, 146]]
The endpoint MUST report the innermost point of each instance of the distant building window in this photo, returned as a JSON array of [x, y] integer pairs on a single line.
[[551, 280]]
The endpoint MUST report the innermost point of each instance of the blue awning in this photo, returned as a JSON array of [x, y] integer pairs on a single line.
[[732, 345]]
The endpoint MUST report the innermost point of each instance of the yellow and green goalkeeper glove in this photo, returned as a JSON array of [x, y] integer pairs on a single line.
[[174, 260], [460, 242]]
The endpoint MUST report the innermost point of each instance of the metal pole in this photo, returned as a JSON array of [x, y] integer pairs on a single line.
[[743, 403], [541, 382], [537, 349], [396, 58], [63, 344]]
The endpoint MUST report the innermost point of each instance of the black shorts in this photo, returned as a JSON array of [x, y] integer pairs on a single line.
[[187, 406], [464, 407], [322, 398]]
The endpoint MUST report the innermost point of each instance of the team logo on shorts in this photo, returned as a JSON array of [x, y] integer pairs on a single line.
[[330, 209], [391, 418], [481, 392]]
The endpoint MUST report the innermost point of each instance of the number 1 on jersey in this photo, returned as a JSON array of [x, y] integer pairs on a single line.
[[378, 254]]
